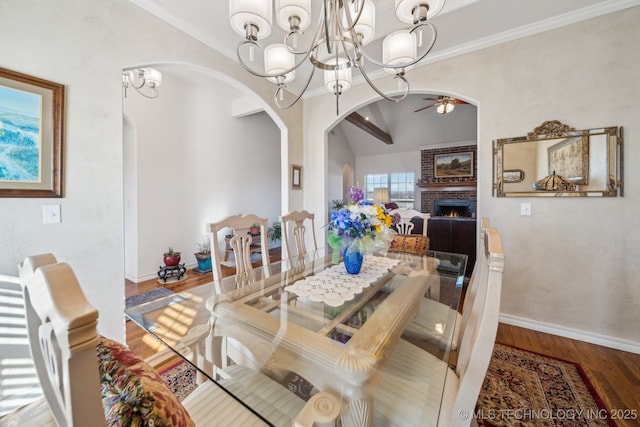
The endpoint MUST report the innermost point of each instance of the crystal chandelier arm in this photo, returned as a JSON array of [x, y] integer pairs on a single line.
[[378, 91], [415, 61], [282, 87]]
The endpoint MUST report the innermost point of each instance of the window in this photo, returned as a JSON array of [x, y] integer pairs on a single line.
[[401, 187]]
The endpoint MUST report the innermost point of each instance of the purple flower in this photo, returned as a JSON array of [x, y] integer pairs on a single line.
[[356, 194]]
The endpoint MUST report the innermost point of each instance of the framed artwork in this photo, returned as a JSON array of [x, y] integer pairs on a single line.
[[453, 165], [296, 177], [31, 136], [570, 158], [513, 175]]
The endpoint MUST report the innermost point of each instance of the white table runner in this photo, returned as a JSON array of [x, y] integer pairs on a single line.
[[334, 286]]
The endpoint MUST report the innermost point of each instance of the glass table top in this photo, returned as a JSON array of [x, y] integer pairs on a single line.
[[337, 333]]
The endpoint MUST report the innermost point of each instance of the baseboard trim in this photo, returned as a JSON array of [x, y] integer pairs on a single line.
[[576, 334]]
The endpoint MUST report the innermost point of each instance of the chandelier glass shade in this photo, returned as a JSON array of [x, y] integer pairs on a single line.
[[336, 47], [144, 80]]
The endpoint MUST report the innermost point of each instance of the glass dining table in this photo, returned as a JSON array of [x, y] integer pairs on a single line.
[[309, 327]]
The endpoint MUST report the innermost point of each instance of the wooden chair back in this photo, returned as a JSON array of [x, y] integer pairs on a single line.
[[241, 243], [297, 219], [62, 333]]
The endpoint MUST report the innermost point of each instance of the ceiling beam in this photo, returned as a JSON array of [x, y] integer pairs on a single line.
[[369, 127]]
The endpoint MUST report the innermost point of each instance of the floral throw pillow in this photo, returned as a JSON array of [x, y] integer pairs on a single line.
[[133, 394], [409, 243]]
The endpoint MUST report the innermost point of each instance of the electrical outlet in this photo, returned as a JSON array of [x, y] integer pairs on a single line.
[[51, 214], [525, 209]]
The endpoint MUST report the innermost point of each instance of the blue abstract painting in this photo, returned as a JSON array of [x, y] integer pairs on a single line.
[[20, 135]]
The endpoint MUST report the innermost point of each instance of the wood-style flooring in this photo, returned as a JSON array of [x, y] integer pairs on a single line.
[[614, 374]]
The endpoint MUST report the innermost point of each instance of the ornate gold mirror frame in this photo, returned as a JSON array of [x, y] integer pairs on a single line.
[[556, 160]]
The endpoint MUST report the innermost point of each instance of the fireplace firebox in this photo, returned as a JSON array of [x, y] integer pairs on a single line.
[[453, 208]]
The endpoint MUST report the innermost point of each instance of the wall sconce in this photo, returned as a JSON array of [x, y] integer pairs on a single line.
[[381, 195], [143, 80]]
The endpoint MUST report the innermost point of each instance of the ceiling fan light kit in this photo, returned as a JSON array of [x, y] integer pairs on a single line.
[[343, 28]]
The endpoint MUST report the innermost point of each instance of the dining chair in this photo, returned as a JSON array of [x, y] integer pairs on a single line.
[[89, 380], [241, 242], [423, 326], [296, 219], [408, 377]]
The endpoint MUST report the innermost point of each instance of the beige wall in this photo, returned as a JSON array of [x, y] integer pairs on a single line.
[[572, 267], [85, 44]]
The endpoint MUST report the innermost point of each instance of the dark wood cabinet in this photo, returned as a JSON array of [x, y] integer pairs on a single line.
[[457, 235]]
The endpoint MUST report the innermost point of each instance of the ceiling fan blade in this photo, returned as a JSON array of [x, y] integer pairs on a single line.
[[424, 108], [431, 99]]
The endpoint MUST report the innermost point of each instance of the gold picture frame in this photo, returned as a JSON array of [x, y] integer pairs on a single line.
[[31, 136]]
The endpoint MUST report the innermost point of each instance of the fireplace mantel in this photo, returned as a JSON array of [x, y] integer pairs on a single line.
[[448, 186]]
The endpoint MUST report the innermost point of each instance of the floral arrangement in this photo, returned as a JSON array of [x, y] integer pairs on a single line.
[[362, 225]]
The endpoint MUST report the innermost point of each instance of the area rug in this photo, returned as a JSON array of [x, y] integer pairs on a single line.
[[180, 377], [525, 389], [151, 295]]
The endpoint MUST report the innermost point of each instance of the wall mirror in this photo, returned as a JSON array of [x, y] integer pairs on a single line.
[[556, 160]]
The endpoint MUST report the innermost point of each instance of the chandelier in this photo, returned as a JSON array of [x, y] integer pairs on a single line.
[[144, 80], [343, 29]]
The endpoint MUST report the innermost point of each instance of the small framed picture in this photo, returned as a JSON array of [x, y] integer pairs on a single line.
[[296, 177], [31, 136], [513, 175]]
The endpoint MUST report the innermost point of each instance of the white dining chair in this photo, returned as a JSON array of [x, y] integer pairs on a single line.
[[296, 220], [241, 242], [412, 377]]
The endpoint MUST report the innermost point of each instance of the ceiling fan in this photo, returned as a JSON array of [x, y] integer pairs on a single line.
[[443, 104]]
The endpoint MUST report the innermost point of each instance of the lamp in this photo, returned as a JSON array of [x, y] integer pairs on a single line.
[[142, 78], [444, 106], [381, 195], [344, 27]]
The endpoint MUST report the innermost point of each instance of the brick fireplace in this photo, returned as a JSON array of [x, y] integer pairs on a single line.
[[463, 189]]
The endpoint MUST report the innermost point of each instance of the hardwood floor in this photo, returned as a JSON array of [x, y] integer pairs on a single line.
[[614, 374]]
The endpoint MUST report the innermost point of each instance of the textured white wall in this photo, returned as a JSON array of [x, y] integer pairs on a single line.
[[573, 265], [196, 164], [85, 44]]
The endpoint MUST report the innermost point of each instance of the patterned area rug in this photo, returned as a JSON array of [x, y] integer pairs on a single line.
[[527, 389], [180, 377], [151, 295]]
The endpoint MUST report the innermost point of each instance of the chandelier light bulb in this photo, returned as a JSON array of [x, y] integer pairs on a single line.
[[277, 60], [337, 81], [293, 15], [251, 18], [365, 26], [399, 48]]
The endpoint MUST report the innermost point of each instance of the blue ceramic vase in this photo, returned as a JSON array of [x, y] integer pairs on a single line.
[[352, 261]]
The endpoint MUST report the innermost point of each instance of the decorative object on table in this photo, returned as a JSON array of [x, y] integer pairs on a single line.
[[334, 286], [519, 380], [203, 256], [554, 182], [254, 230], [32, 134], [360, 227], [171, 258]]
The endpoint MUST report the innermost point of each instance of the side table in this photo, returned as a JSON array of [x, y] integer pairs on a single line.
[[167, 272]]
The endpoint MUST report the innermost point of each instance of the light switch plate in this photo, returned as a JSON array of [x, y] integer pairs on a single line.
[[525, 209], [51, 214]]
